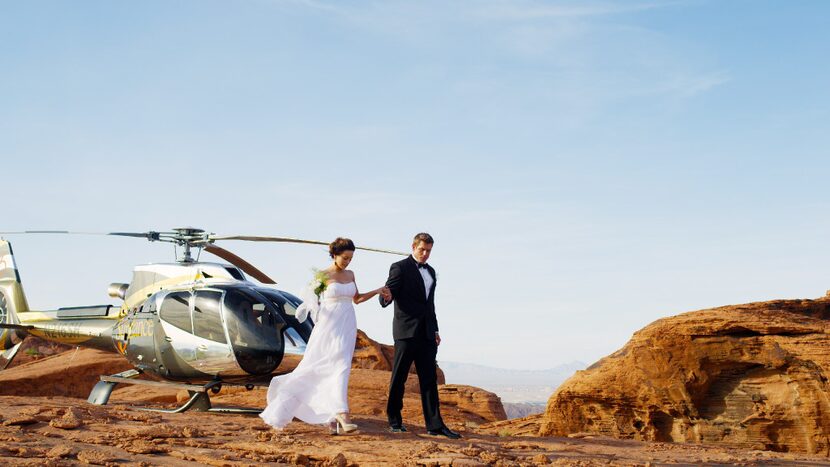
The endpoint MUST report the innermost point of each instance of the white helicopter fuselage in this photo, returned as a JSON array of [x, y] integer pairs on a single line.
[[187, 321]]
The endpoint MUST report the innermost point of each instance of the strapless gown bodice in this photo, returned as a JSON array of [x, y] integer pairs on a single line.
[[338, 292]]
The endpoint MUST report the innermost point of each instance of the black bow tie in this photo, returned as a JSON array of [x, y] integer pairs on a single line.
[[422, 265]]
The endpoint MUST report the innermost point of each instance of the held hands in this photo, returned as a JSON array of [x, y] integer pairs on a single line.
[[386, 294]]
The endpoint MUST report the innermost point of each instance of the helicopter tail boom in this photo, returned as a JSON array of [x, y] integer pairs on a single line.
[[12, 299]]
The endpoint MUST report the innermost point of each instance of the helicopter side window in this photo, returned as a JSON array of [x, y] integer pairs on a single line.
[[176, 310], [207, 319]]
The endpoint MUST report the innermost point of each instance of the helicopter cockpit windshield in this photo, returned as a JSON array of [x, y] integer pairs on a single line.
[[254, 328], [297, 333]]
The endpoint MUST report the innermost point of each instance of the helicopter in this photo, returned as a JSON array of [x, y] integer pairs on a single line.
[[190, 325]]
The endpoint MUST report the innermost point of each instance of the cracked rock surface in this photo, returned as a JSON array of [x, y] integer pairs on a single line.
[[45, 420], [751, 376]]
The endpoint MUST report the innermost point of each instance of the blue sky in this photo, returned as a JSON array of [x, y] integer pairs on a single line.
[[586, 167]]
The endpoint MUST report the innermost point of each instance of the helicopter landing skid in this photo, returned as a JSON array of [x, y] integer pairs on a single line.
[[199, 399]]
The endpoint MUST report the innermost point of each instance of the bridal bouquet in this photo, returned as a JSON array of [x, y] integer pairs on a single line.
[[311, 296], [320, 282]]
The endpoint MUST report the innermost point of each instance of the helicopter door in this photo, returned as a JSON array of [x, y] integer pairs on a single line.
[[255, 329], [213, 353], [178, 325]]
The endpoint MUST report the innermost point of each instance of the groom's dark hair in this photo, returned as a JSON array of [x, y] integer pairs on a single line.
[[423, 237]]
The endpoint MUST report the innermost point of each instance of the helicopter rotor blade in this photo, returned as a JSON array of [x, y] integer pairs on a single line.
[[26, 232], [245, 266], [148, 235], [190, 237], [151, 235], [253, 238]]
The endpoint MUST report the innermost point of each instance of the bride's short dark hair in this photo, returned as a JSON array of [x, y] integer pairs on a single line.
[[339, 245]]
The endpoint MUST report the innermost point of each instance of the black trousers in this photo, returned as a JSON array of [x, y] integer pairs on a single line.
[[422, 352]]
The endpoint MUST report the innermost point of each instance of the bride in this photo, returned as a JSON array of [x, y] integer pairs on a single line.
[[316, 391]]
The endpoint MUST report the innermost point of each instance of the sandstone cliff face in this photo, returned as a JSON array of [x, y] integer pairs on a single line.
[[750, 376]]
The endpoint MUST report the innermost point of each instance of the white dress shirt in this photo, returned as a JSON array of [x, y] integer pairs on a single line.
[[428, 281]]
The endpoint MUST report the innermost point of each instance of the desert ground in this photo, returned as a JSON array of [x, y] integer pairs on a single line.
[[46, 420]]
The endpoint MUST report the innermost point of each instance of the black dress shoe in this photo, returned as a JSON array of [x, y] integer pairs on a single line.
[[444, 431], [397, 428]]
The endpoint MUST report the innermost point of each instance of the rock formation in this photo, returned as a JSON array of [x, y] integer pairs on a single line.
[[372, 355], [43, 422], [74, 372], [472, 400], [751, 376]]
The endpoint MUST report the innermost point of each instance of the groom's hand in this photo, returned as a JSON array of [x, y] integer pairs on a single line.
[[437, 339], [386, 294]]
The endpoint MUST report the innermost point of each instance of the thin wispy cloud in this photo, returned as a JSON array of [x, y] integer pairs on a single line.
[[581, 58], [505, 10], [548, 10], [312, 4], [692, 85]]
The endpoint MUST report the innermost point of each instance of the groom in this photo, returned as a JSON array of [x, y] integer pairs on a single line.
[[411, 285]]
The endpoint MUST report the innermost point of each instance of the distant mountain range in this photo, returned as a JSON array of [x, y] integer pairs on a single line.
[[512, 386], [523, 409]]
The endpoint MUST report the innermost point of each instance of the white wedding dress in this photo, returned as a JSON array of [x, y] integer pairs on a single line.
[[317, 389]]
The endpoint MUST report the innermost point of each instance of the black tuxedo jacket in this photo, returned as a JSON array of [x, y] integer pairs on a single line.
[[414, 309]]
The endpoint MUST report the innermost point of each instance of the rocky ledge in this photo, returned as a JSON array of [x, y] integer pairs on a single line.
[[751, 376]]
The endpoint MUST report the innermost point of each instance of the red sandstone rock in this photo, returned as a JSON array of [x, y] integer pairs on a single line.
[[120, 434], [753, 376], [110, 437], [373, 355], [69, 421], [59, 451], [473, 400], [95, 457]]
